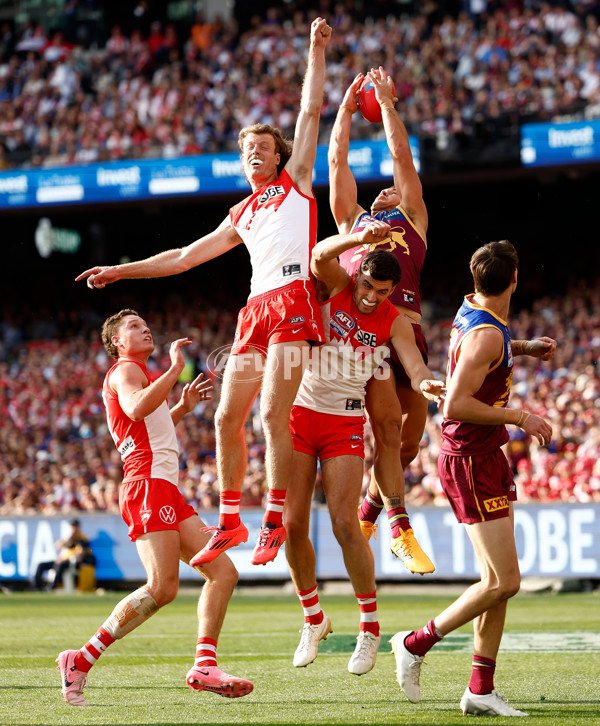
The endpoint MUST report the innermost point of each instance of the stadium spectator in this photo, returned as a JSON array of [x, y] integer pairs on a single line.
[[462, 85], [73, 552]]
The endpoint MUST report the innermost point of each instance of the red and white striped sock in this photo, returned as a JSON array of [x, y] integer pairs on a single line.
[[309, 599], [92, 650], [206, 652], [229, 509], [367, 605], [274, 512]]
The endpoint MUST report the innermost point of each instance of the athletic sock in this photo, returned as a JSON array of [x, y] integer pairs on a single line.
[[274, 512], [370, 508], [398, 519], [482, 675], [367, 604], [229, 509], [421, 641], [92, 650], [206, 653], [311, 607]]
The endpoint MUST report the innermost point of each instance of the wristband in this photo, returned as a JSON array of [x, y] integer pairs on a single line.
[[522, 418], [345, 108]]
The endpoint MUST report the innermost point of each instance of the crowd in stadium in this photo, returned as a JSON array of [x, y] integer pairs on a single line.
[[166, 90], [58, 456]]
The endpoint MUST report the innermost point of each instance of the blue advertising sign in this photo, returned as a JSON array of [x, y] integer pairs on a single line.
[[557, 540], [143, 179], [552, 144]]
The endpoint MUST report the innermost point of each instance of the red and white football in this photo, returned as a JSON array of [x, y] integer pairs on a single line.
[[367, 102]]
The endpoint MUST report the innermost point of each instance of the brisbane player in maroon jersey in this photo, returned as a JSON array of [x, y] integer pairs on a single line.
[[476, 476], [397, 413]]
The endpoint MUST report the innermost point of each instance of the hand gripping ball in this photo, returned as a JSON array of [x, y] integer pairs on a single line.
[[367, 102]]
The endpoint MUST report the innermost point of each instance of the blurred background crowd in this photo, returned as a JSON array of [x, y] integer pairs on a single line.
[[58, 456], [466, 73]]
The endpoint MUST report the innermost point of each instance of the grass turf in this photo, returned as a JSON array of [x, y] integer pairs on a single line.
[[141, 680]]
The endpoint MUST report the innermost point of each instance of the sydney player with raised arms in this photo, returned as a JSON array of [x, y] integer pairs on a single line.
[[278, 224], [327, 424]]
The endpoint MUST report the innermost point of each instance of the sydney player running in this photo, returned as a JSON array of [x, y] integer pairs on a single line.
[[278, 224], [164, 527], [327, 424], [476, 476], [397, 413]]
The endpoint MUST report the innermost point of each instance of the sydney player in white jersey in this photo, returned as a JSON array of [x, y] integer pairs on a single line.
[[327, 424], [277, 223], [164, 527]]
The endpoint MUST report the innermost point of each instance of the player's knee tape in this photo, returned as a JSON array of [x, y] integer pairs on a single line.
[[131, 612]]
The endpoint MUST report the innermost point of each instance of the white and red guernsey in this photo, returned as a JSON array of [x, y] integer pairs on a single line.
[[356, 345], [148, 448], [278, 225]]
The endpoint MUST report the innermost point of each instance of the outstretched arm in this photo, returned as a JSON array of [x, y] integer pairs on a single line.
[[406, 180], [304, 151], [422, 380], [170, 262], [324, 263], [343, 191], [479, 350]]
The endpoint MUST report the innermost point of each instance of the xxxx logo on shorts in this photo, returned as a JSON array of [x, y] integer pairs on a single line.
[[492, 505], [167, 514]]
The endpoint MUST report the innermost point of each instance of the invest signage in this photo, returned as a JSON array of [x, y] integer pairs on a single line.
[[554, 144], [144, 179]]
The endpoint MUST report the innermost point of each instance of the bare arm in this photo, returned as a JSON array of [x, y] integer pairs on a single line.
[[543, 348], [194, 392], [343, 192], [137, 397], [304, 152], [479, 350], [324, 263], [406, 180], [402, 337], [169, 262]]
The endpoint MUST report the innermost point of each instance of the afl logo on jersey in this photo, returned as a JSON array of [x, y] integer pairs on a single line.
[[270, 192], [297, 320], [341, 323]]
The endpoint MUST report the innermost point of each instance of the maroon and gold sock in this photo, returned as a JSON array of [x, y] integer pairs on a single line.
[[398, 519], [370, 508], [421, 641], [482, 675]]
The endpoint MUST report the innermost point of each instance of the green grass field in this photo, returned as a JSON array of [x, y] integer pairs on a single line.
[[549, 664]]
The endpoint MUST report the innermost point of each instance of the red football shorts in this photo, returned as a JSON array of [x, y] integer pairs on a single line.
[[478, 488], [326, 435], [152, 505], [394, 362], [283, 315]]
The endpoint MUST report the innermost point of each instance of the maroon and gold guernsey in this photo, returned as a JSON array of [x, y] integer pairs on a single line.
[[405, 243], [467, 439]]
